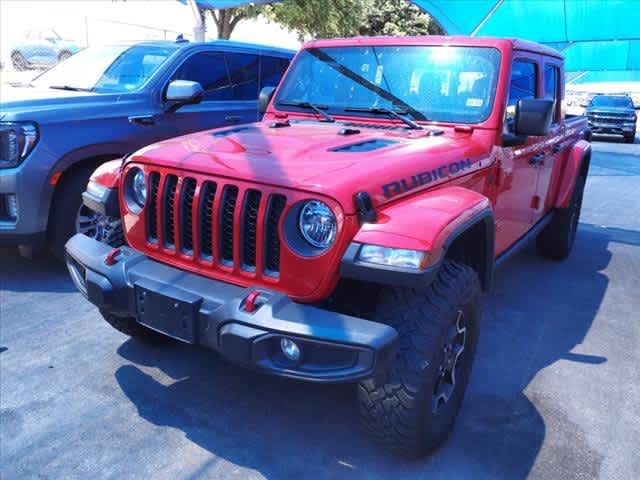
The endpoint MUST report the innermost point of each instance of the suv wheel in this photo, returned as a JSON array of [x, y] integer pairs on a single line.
[[414, 409], [630, 138], [556, 240], [130, 327], [99, 227], [66, 205]]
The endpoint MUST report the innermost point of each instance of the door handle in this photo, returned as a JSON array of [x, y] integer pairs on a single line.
[[557, 148], [234, 118], [142, 120], [537, 159]]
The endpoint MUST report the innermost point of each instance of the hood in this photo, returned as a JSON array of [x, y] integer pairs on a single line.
[[30, 103], [319, 157]]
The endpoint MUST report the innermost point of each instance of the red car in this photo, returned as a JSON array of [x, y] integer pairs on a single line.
[[349, 235]]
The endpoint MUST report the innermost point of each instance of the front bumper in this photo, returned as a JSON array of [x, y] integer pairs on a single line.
[[198, 310], [612, 128]]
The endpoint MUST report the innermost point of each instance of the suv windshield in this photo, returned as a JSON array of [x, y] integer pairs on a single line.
[[105, 69], [438, 83], [611, 101]]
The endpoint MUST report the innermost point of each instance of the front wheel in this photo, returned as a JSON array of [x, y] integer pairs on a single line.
[[630, 138], [100, 227], [413, 410]]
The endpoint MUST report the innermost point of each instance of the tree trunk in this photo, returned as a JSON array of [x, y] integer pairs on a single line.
[[226, 21]]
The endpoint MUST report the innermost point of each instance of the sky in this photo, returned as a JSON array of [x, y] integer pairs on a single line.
[[94, 22]]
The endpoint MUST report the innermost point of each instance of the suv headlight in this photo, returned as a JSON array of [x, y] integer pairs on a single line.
[[17, 139], [318, 224]]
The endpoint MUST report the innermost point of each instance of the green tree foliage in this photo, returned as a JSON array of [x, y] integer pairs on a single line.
[[334, 18], [318, 18], [397, 17]]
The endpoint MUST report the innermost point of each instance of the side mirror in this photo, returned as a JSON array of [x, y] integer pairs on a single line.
[[533, 117], [266, 94], [183, 92]]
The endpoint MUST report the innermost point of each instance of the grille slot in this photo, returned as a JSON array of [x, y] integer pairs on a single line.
[[227, 209], [186, 215], [222, 223], [250, 227], [168, 210], [152, 212], [275, 208], [207, 195]]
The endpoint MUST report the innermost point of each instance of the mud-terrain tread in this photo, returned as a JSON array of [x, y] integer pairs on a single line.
[[553, 242], [394, 412]]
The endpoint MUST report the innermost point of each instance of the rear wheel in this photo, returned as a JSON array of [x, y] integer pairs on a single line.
[[557, 239], [413, 410], [19, 62]]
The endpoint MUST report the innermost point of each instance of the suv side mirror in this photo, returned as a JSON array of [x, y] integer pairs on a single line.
[[533, 117], [183, 92], [266, 94]]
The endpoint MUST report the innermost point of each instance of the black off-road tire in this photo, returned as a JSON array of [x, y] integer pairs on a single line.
[[66, 202], [557, 238], [399, 411], [130, 327], [630, 138]]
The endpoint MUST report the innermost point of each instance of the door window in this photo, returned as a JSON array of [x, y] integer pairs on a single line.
[[271, 70], [522, 86], [243, 72], [209, 69]]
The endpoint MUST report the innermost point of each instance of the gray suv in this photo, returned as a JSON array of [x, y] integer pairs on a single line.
[[104, 103]]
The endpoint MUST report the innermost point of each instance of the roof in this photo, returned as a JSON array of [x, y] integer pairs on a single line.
[[460, 40], [223, 43]]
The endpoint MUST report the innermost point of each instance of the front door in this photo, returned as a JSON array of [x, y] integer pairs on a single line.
[[518, 174]]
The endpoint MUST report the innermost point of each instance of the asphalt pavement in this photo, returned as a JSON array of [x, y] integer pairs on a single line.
[[555, 392]]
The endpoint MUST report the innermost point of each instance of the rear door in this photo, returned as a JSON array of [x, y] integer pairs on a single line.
[[518, 171]]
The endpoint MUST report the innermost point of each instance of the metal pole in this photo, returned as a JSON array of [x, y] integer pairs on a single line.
[[198, 23]]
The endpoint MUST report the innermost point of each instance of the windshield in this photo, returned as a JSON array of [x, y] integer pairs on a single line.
[[106, 69], [611, 101], [438, 83]]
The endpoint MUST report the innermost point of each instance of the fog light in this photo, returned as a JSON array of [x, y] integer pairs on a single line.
[[290, 349], [12, 206]]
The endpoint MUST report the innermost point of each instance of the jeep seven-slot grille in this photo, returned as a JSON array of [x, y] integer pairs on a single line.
[[207, 218]]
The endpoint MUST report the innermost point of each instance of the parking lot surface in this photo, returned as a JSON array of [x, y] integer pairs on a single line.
[[555, 392]]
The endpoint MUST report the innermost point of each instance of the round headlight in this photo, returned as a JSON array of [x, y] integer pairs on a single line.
[[318, 224], [139, 188]]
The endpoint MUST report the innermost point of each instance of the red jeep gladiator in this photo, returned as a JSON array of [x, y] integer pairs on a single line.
[[349, 235]]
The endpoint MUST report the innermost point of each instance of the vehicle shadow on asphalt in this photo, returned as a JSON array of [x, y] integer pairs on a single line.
[[534, 318], [43, 273]]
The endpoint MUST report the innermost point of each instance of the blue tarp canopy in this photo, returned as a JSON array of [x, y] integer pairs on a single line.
[[594, 35]]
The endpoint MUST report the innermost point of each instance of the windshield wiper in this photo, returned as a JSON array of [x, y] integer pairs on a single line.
[[387, 111], [69, 88], [312, 106]]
